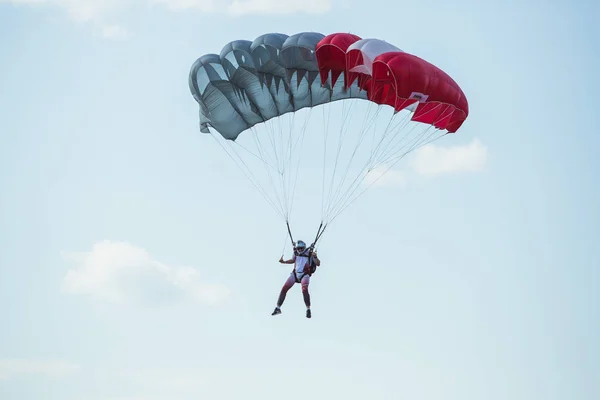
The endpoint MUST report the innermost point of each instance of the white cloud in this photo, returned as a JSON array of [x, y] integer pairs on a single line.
[[433, 160], [100, 13], [199, 5], [152, 383], [114, 32], [172, 380], [247, 7], [122, 273], [242, 7], [10, 368], [99, 10], [378, 177], [81, 10], [96, 12]]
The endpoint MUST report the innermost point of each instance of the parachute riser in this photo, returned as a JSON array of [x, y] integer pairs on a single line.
[[290, 233], [318, 236]]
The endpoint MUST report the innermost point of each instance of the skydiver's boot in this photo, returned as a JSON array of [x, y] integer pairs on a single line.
[[276, 311], [308, 314]]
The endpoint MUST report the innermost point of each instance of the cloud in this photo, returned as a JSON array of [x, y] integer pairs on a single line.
[[98, 11], [434, 160], [122, 273], [243, 7], [378, 177], [114, 32], [10, 368], [248, 7], [155, 383], [430, 161], [171, 380], [80, 10]]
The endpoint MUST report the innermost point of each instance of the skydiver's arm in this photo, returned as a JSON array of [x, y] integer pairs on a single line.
[[290, 261], [317, 261]]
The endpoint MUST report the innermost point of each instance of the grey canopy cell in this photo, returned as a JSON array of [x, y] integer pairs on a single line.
[[251, 82]]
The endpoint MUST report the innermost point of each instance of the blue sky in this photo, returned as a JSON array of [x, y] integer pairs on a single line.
[[137, 262]]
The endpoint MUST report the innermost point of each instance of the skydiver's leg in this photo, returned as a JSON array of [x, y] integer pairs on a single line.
[[286, 286], [305, 281]]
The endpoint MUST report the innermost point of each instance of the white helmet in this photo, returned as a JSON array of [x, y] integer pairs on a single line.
[[300, 246]]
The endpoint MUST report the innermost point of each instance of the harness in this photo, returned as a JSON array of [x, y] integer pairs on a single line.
[[310, 265], [309, 268]]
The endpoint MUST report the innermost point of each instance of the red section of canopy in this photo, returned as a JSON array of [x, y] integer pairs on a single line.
[[398, 79], [331, 55]]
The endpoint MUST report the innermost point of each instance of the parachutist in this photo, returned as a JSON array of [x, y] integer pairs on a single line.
[[277, 76], [305, 262]]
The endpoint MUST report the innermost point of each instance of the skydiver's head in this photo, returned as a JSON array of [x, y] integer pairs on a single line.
[[300, 246]]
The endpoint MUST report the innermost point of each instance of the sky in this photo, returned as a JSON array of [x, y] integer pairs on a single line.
[[137, 261]]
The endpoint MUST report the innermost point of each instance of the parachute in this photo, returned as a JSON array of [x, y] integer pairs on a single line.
[[248, 92]]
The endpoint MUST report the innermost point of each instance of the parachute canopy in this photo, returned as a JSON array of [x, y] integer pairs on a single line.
[[252, 83]]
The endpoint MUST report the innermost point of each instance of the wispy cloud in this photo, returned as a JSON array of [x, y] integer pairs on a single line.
[[243, 7], [81, 10], [101, 12], [155, 383], [247, 7], [122, 273], [429, 161], [114, 32], [434, 160], [14, 367], [381, 176], [172, 380]]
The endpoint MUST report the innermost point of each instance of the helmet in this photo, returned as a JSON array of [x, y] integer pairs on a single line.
[[300, 245]]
